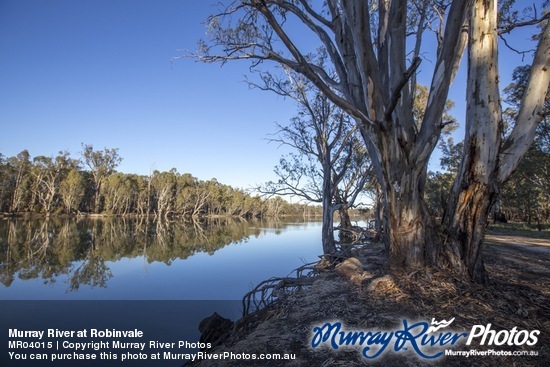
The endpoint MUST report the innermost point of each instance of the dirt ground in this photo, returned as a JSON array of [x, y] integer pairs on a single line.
[[363, 297]]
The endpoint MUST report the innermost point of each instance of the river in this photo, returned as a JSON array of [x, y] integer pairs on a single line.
[[135, 259]]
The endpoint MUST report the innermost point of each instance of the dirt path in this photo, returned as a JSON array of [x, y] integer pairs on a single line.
[[513, 240], [521, 259]]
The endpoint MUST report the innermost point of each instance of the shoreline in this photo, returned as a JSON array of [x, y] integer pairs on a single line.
[[360, 293]]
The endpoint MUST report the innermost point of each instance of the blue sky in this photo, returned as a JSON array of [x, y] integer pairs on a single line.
[[100, 72]]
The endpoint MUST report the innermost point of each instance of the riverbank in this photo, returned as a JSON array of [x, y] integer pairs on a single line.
[[360, 294]]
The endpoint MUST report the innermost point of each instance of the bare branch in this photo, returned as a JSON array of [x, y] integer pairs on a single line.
[[511, 27], [396, 94], [522, 53]]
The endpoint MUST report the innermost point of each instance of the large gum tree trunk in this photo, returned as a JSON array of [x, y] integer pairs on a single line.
[[327, 231], [327, 234], [345, 234], [411, 238], [345, 220], [467, 230], [486, 163], [476, 187]]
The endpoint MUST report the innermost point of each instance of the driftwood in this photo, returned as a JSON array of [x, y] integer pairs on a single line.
[[356, 234]]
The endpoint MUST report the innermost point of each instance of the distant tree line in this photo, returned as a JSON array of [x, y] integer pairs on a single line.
[[90, 184]]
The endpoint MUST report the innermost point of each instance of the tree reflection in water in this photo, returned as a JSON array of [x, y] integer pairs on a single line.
[[81, 249]]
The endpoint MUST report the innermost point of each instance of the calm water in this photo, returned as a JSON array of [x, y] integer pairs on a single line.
[[130, 259]]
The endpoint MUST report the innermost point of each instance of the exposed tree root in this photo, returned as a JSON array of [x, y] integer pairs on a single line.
[[269, 290]]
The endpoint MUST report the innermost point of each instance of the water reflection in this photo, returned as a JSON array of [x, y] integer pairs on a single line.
[[81, 250]]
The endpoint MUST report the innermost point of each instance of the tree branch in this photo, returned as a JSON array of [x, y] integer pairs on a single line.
[[530, 113], [396, 94], [511, 27], [447, 63]]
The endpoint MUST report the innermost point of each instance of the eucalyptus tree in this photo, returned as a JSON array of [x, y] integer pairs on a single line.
[[184, 188], [325, 139], [101, 163], [143, 199], [535, 165], [164, 186], [4, 184], [215, 200], [48, 173], [20, 172], [355, 182], [191, 196], [371, 74], [120, 192], [199, 199], [234, 203], [489, 158], [72, 189], [532, 178]]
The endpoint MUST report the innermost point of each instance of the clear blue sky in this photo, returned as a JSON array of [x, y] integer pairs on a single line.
[[100, 72]]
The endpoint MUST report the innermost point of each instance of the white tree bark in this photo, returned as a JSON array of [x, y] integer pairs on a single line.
[[486, 164]]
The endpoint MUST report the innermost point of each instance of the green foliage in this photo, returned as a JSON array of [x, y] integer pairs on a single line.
[[16, 173], [526, 195], [452, 154], [101, 163], [438, 187], [72, 189], [48, 173], [419, 107]]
